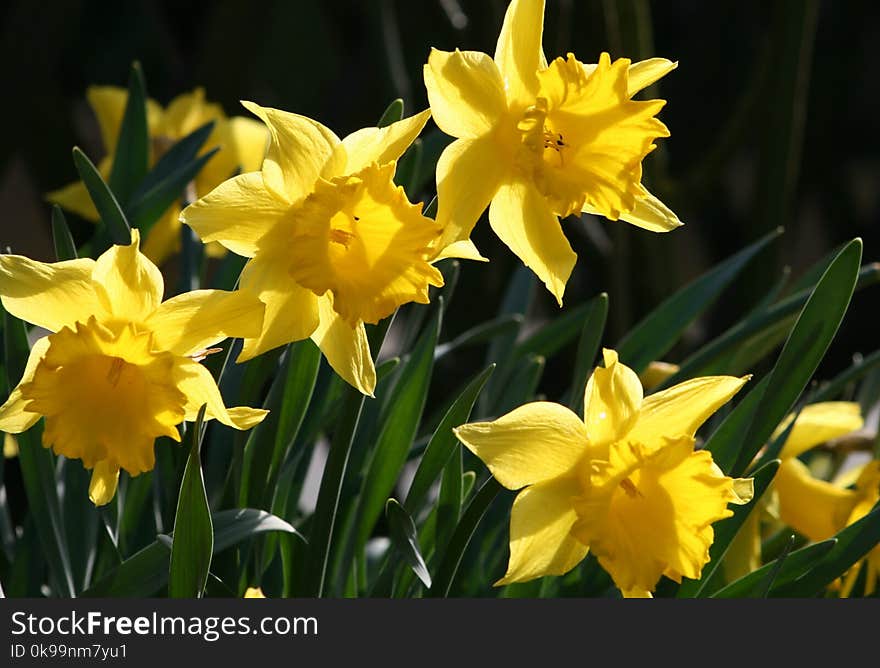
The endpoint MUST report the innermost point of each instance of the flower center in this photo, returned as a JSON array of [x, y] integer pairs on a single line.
[[105, 395], [359, 238]]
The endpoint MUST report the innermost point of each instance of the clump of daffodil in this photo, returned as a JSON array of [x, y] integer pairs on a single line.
[[242, 143], [538, 142], [794, 496], [624, 483], [332, 242], [121, 367]]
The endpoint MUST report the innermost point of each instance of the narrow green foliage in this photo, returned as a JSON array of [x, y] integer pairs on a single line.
[[405, 540], [588, 347], [193, 531], [655, 335], [393, 113], [132, 155], [805, 348], [62, 240], [113, 219]]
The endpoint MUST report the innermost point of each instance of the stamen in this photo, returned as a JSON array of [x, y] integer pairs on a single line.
[[202, 354], [115, 371], [631, 490], [341, 236]]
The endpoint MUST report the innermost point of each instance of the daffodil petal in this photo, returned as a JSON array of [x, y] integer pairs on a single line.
[[196, 320], [250, 139], [533, 443], [382, 145], [345, 347], [818, 423], [129, 286], [680, 410], [14, 419], [291, 310], [612, 401], [518, 52], [75, 198], [636, 593], [469, 173], [300, 150], [540, 522], [50, 295], [810, 506], [465, 91], [108, 103], [200, 388], [163, 239], [238, 213], [105, 479], [463, 250], [649, 214], [645, 72], [524, 222]]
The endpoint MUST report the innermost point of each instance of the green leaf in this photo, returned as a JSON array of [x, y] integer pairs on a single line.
[[132, 155], [270, 441], [112, 218], [408, 169], [398, 430], [443, 442], [726, 440], [655, 335], [836, 386], [65, 249], [555, 335], [38, 471], [404, 538], [725, 532], [193, 532], [709, 359], [503, 325], [588, 346], [454, 552], [522, 385], [792, 567], [313, 572], [172, 175], [146, 572], [853, 543], [805, 348], [393, 113]]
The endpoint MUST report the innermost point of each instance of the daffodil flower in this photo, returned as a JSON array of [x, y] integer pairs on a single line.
[[332, 242], [816, 508], [242, 143], [538, 142], [120, 366], [254, 592], [625, 482]]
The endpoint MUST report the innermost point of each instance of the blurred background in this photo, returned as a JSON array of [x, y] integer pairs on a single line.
[[773, 111]]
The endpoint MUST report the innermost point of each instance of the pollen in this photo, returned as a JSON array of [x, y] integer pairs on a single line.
[[341, 237]]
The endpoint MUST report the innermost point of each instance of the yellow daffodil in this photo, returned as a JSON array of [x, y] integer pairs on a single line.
[[332, 242], [538, 142], [254, 592], [656, 373], [625, 482], [242, 143], [121, 367], [819, 509], [10, 446], [813, 507]]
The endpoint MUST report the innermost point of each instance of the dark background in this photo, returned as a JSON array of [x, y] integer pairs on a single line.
[[773, 112]]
